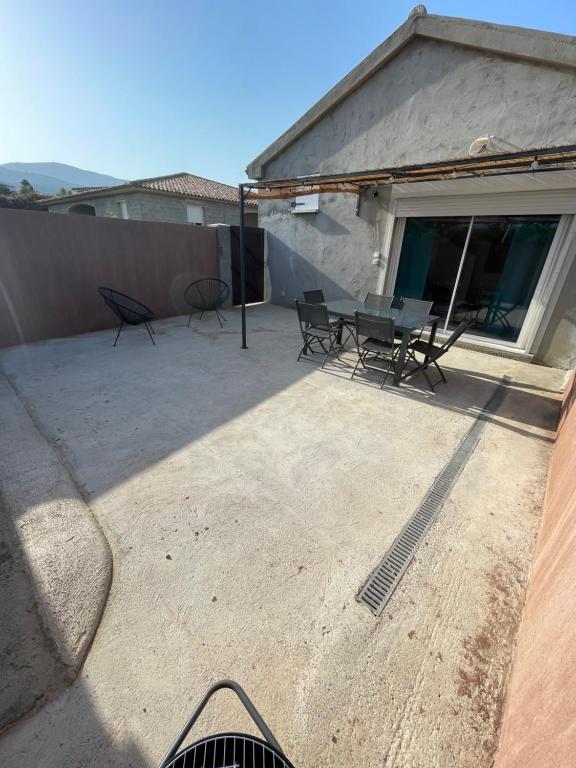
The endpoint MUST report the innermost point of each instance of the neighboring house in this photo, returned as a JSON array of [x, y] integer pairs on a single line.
[[180, 198], [496, 251]]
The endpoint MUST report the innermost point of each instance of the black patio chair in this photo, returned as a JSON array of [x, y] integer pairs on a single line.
[[207, 295], [225, 750], [317, 329], [417, 306], [377, 300], [128, 311], [433, 352], [314, 297], [379, 343]]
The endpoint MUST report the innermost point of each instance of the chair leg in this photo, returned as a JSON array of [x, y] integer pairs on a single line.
[[441, 372], [151, 328], [118, 334], [201, 314], [304, 350], [218, 316], [425, 372], [190, 318], [149, 334], [221, 314], [327, 353], [361, 357]]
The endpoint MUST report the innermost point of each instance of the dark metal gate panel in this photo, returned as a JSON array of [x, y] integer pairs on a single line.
[[254, 248]]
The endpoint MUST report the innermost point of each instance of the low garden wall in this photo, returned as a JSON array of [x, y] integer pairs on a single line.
[[538, 727]]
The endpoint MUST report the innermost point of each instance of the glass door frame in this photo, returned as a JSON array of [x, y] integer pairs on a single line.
[[538, 311]]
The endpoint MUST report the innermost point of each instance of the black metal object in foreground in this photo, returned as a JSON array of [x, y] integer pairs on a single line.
[[242, 266], [227, 749]]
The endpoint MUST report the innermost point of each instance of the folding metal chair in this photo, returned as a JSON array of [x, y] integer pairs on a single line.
[[377, 300], [433, 352], [318, 330], [227, 750], [379, 343], [417, 306], [314, 297]]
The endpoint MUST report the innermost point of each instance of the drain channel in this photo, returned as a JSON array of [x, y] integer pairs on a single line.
[[384, 579]]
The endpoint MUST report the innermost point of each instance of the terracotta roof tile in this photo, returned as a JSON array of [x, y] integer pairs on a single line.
[[186, 184], [190, 185]]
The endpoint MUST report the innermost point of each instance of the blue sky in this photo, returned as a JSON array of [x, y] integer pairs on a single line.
[[140, 88]]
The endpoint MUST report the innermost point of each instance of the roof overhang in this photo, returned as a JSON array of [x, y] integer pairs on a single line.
[[535, 161], [514, 42], [124, 189]]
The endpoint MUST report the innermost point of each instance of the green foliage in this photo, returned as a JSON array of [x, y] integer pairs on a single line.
[[26, 189], [5, 189], [63, 191]]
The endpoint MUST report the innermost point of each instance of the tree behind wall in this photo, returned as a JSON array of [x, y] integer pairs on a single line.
[[26, 189]]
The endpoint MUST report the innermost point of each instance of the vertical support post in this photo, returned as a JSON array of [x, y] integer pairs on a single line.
[[458, 274], [242, 266]]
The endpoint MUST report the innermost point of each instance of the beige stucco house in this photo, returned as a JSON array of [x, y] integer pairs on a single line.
[[181, 198], [499, 251]]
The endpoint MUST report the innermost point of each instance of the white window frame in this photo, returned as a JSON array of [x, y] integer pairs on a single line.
[[192, 217], [556, 266]]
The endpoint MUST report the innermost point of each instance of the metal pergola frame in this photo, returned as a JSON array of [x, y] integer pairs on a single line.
[[525, 161]]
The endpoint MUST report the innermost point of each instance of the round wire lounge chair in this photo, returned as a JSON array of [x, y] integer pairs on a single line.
[[207, 295], [227, 750], [128, 310]]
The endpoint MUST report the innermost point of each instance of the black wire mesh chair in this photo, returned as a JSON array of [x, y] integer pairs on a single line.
[[314, 297], [207, 295], [379, 344], [227, 750], [318, 330], [128, 311], [377, 300]]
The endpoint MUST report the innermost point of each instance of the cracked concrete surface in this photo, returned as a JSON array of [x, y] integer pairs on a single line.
[[246, 498]]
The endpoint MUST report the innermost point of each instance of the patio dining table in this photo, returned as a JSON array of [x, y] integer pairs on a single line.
[[405, 323]]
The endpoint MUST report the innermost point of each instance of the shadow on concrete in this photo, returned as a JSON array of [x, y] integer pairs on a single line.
[[113, 413], [29, 669], [34, 683], [523, 410]]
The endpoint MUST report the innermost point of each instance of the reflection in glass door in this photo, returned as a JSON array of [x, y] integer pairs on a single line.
[[483, 269]]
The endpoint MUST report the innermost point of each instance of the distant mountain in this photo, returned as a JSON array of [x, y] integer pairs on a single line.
[[49, 178]]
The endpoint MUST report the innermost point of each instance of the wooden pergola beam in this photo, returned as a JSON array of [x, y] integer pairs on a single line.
[[525, 161]]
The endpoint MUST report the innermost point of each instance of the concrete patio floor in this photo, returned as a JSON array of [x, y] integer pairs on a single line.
[[246, 498]]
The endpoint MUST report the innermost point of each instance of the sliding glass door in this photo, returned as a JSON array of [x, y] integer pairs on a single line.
[[480, 269]]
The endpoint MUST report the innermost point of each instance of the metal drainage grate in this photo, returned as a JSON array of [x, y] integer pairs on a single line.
[[384, 579]]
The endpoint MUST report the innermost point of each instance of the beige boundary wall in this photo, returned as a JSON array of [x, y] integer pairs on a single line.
[[51, 267]]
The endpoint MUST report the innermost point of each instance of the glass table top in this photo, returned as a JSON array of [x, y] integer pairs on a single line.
[[405, 320]]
